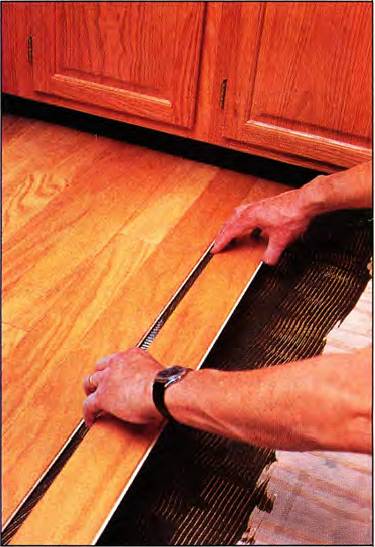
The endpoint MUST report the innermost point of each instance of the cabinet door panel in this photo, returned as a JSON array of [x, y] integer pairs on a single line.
[[300, 78], [140, 58]]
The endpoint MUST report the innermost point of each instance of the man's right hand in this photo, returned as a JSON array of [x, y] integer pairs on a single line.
[[282, 219]]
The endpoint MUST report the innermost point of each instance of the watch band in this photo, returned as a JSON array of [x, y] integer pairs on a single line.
[[162, 381]]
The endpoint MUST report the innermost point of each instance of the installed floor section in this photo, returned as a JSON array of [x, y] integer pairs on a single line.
[[98, 235]]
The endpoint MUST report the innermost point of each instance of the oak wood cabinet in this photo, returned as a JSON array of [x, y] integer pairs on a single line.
[[299, 77], [289, 81], [135, 57]]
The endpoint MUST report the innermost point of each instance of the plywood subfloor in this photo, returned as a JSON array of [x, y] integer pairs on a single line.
[[98, 235]]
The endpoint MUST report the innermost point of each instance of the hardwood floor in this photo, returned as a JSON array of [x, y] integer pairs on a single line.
[[98, 235], [184, 339], [10, 338]]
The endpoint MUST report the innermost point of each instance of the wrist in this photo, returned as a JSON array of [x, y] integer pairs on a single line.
[[326, 193], [186, 402], [177, 397], [313, 197], [151, 410], [164, 380]]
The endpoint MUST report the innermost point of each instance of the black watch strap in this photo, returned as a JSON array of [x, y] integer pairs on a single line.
[[162, 381]]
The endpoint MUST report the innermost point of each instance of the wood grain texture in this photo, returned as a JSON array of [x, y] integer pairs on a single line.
[[216, 64], [23, 142], [317, 501], [96, 195], [10, 336], [289, 76], [90, 261], [16, 27], [121, 56], [111, 452]]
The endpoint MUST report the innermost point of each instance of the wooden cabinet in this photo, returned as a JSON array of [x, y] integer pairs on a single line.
[[299, 77], [285, 80], [135, 57]]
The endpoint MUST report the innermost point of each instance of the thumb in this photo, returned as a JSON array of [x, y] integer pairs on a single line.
[[274, 251]]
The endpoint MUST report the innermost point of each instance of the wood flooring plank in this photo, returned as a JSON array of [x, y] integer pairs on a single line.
[[10, 336], [29, 198], [87, 488], [121, 313], [37, 190], [90, 212], [79, 223], [13, 130], [33, 145]]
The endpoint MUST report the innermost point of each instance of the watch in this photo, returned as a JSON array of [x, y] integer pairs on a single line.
[[162, 381]]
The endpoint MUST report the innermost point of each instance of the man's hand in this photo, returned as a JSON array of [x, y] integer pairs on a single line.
[[122, 385], [282, 219]]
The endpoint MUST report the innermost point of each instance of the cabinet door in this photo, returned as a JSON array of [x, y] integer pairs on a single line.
[[299, 78], [134, 57]]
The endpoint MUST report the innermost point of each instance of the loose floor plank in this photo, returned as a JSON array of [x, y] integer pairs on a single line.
[[86, 490]]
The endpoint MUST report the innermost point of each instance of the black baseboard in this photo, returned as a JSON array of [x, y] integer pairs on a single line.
[[171, 144]]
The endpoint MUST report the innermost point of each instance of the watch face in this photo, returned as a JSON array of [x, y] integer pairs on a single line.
[[170, 373]]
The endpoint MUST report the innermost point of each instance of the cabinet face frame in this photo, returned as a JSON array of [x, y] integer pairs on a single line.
[[240, 122], [177, 109]]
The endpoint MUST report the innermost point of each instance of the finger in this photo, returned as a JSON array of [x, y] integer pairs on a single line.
[[225, 236], [90, 409], [273, 252], [104, 361], [230, 232], [220, 244], [91, 382]]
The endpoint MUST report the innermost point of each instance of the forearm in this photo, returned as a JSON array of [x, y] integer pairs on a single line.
[[347, 189], [321, 403]]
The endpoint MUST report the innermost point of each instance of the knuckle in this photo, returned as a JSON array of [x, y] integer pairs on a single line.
[[126, 353], [242, 209], [113, 358], [103, 360]]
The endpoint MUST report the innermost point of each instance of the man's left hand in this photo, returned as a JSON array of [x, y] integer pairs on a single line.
[[122, 385]]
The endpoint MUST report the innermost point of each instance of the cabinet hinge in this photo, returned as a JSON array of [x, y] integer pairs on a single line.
[[223, 92], [30, 49]]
